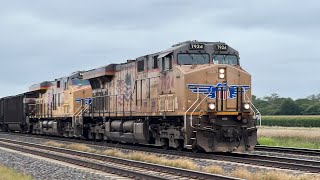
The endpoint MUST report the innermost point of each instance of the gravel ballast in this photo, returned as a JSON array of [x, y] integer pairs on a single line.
[[228, 167], [42, 169]]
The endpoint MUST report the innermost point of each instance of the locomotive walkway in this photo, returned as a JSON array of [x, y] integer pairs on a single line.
[[119, 166]]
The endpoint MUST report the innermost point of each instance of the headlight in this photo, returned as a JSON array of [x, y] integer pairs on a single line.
[[246, 106], [221, 76], [222, 73], [211, 106]]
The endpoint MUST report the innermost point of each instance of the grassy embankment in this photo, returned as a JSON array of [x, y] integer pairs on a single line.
[[290, 131], [9, 174], [187, 164]]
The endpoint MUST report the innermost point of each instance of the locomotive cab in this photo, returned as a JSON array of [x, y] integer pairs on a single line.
[[217, 98], [59, 105]]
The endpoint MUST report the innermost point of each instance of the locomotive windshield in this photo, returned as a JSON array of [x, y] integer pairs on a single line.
[[80, 82], [225, 59], [191, 58]]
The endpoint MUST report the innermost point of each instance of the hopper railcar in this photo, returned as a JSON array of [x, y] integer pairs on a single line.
[[194, 95], [14, 111]]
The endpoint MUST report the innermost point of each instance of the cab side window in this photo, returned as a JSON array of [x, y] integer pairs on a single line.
[[155, 62], [166, 62], [140, 66]]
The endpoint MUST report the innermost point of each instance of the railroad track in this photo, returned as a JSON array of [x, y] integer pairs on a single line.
[[109, 164], [278, 162], [258, 160], [300, 151]]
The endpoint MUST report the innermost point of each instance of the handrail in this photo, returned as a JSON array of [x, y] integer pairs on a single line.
[[127, 96], [34, 109], [257, 114], [198, 106], [112, 95], [185, 115], [82, 109], [254, 109], [87, 106], [77, 111]]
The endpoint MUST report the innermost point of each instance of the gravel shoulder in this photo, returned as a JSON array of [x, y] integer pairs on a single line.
[[227, 167], [43, 168]]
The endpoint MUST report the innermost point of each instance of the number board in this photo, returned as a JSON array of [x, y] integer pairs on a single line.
[[196, 46], [221, 47]]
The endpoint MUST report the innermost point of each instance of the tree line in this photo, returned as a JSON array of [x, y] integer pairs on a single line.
[[276, 105]]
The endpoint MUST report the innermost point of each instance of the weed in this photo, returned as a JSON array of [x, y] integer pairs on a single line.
[[10, 174], [55, 144], [81, 147], [213, 169]]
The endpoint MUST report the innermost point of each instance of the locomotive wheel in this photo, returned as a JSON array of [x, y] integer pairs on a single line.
[[165, 144], [165, 147], [114, 142], [5, 128], [179, 144], [195, 149]]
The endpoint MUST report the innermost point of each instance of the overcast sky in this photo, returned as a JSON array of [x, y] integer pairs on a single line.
[[278, 41]]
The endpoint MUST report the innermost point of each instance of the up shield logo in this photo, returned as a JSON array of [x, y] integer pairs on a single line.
[[222, 90], [86, 101]]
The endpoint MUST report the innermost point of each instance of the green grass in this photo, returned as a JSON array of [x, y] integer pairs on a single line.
[[10, 174], [290, 142], [291, 121]]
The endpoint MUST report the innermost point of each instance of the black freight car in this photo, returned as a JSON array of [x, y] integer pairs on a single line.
[[15, 110]]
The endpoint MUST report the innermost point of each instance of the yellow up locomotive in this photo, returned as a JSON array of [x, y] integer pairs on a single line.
[[194, 95]]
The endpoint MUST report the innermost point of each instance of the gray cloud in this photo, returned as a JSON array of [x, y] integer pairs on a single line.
[[277, 41]]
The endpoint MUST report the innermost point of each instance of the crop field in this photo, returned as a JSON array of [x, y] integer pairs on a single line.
[[289, 137], [291, 121]]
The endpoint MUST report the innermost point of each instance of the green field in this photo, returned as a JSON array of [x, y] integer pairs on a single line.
[[9, 174], [289, 142], [300, 137], [291, 121]]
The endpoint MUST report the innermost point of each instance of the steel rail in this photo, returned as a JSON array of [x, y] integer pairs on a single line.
[[259, 160], [278, 162], [90, 165], [153, 167], [291, 150]]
